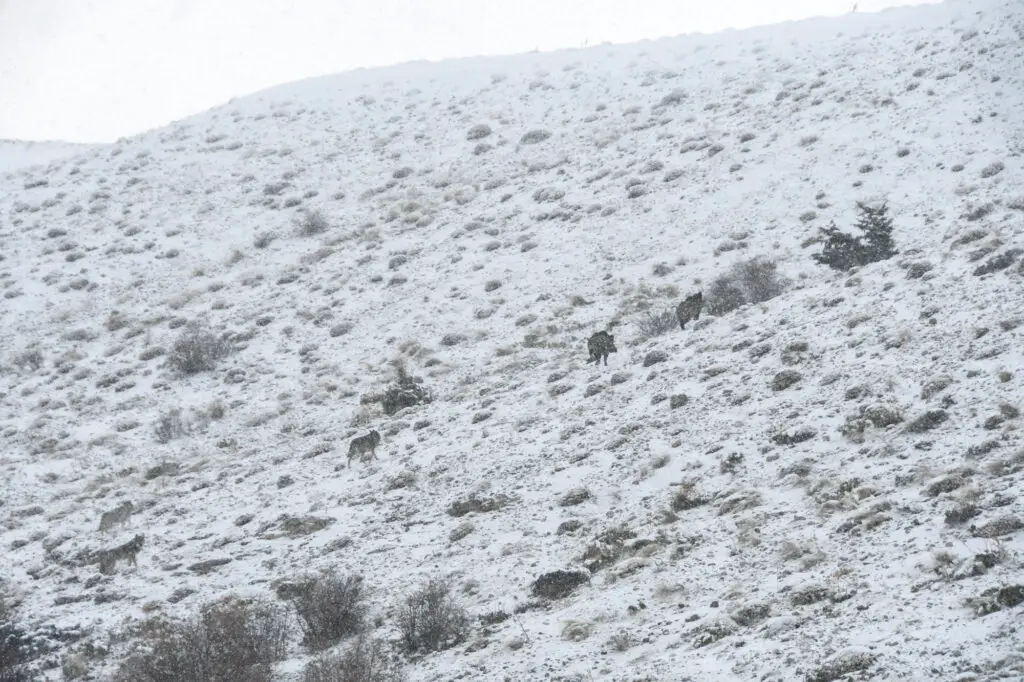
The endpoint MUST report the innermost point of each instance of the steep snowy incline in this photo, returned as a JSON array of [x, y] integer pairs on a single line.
[[821, 475]]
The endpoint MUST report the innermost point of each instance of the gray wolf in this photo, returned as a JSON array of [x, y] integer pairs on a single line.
[[116, 516], [108, 558], [362, 445], [689, 309], [600, 345]]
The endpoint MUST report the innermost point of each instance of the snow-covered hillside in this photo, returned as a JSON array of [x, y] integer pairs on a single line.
[[17, 154], [823, 483]]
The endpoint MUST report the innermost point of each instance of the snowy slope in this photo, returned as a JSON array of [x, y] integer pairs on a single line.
[[18, 154], [485, 261]]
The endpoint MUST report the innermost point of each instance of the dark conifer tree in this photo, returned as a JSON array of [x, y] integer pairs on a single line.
[[876, 225], [841, 251]]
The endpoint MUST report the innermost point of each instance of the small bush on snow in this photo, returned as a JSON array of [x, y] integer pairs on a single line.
[[452, 339], [750, 281], [577, 631], [606, 549], [712, 630], [432, 620], [927, 421], [476, 504], [169, 426], [30, 359], [997, 263], [17, 648], [843, 664], [656, 324], [559, 584], [785, 379], [263, 239], [996, 599], [574, 497], [274, 189], [687, 496], [330, 607], [366, 660], [534, 137], [992, 169], [230, 640], [673, 98], [197, 350], [623, 640], [312, 223], [478, 132], [406, 391], [494, 617]]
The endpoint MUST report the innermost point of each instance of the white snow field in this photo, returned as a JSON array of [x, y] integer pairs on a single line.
[[823, 485], [17, 154]]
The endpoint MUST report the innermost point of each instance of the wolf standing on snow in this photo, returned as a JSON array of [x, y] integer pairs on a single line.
[[600, 345], [689, 309], [363, 444], [108, 558], [116, 516]]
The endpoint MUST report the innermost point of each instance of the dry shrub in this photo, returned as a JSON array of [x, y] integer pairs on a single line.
[[263, 239], [169, 426], [606, 549], [406, 391], [312, 223], [843, 665], [559, 584], [432, 620], [197, 350], [330, 607], [478, 504], [751, 281], [688, 496], [14, 653], [30, 359], [367, 660], [656, 324], [230, 641]]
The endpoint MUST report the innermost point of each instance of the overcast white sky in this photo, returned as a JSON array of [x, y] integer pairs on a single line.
[[96, 70]]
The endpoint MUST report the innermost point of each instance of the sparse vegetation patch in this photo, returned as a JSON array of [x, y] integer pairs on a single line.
[[558, 584], [229, 640], [431, 619], [330, 607], [196, 350], [755, 280]]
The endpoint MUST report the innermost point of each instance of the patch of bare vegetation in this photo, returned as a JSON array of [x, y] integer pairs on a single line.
[[330, 607], [755, 280], [431, 619], [311, 223], [365, 660], [196, 350], [230, 640]]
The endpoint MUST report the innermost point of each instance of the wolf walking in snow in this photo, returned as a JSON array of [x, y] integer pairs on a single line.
[[116, 516], [362, 445], [108, 558], [600, 345], [689, 309]]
